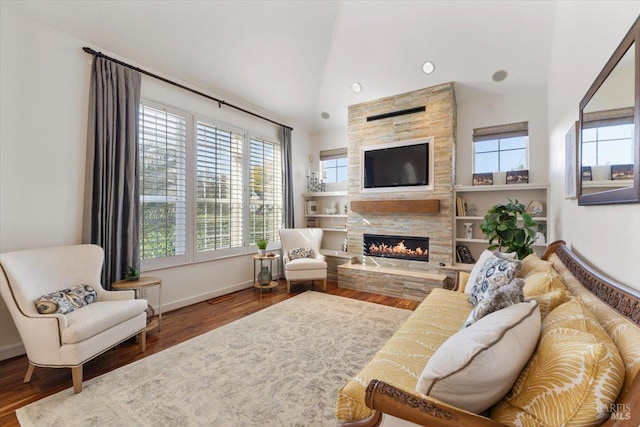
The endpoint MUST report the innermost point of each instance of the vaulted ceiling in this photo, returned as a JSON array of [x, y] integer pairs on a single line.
[[294, 60]]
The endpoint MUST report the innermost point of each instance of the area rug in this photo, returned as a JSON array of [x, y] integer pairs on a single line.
[[281, 366]]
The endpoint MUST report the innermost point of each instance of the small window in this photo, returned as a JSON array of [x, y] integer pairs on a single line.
[[607, 137], [501, 148], [334, 165]]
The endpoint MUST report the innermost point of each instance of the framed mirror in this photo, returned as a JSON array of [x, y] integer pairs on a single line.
[[609, 141]]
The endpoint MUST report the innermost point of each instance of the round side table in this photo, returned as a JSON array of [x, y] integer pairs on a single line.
[[261, 259], [142, 283]]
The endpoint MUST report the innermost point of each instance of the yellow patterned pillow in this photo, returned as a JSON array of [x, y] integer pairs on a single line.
[[550, 300], [573, 377], [541, 282], [533, 263]]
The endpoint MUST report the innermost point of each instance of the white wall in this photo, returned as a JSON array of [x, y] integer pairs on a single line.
[[585, 36], [480, 108], [44, 82]]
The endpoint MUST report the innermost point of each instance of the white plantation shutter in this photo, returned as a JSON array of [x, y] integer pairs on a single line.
[[162, 169], [219, 178], [265, 183]]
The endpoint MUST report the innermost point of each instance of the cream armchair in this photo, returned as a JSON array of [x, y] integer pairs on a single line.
[[67, 340], [303, 268]]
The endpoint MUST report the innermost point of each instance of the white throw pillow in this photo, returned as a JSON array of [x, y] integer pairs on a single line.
[[478, 266], [478, 365]]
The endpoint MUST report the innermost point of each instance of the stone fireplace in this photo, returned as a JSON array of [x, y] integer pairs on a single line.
[[398, 247], [438, 123]]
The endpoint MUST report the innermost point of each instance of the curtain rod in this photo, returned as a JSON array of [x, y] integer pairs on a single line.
[[155, 76]]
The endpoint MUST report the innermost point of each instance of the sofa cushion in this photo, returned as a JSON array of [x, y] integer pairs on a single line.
[[496, 298], [550, 300], [541, 282], [66, 300], [498, 270], [305, 264], [404, 356], [475, 271], [532, 263], [573, 377], [297, 253], [474, 368], [99, 317]]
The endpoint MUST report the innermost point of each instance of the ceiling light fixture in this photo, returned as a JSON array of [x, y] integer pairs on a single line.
[[428, 67], [356, 87], [499, 76], [325, 115]]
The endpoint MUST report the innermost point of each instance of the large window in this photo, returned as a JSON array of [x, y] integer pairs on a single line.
[[607, 137], [501, 148], [216, 216]]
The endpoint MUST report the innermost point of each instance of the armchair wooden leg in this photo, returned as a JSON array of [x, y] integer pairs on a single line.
[[30, 369], [324, 285], [142, 341], [288, 286], [76, 376]]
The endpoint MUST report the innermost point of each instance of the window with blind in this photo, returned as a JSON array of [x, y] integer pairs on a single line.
[[501, 148], [162, 171], [334, 165], [607, 137], [219, 182], [194, 176], [265, 183]]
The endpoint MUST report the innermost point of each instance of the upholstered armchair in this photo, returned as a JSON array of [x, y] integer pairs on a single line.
[[300, 264], [67, 340]]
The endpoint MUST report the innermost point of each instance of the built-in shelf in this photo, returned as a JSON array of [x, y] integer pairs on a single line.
[[325, 216], [334, 229], [480, 218], [396, 206], [619, 183], [464, 240], [506, 187]]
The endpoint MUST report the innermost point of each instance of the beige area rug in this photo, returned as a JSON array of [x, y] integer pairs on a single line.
[[281, 366]]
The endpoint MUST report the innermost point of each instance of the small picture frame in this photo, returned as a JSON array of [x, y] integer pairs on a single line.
[[518, 177], [621, 172], [483, 178], [586, 173]]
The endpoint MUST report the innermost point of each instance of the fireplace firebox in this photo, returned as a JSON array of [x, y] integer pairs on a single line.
[[401, 247]]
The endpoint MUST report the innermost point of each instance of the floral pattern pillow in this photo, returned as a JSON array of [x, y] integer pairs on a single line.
[[497, 298], [66, 300], [296, 253], [498, 270]]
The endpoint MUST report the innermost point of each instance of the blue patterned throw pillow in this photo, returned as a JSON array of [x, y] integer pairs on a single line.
[[496, 298], [498, 270], [66, 300], [296, 253]]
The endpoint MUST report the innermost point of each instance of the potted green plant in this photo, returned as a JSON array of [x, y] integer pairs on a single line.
[[503, 231], [262, 246], [131, 273]]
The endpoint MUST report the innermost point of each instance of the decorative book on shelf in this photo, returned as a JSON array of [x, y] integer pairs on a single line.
[[461, 206], [463, 255]]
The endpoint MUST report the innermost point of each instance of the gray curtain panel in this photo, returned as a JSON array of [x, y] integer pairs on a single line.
[[111, 184], [287, 176]]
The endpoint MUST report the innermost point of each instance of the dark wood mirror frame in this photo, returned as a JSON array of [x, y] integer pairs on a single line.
[[629, 194]]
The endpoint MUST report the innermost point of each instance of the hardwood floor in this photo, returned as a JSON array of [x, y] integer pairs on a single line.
[[177, 326]]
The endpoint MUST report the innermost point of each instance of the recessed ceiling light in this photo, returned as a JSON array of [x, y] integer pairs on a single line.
[[499, 76], [428, 67], [325, 115], [356, 87]]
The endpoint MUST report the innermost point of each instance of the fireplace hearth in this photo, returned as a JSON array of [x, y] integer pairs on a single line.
[[400, 247]]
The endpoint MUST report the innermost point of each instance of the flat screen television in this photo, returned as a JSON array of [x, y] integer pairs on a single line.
[[396, 166]]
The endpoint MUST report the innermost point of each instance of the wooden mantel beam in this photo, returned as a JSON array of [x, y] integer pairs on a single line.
[[396, 206]]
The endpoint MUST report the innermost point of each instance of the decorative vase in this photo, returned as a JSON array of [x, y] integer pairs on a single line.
[[262, 252], [468, 230], [264, 277]]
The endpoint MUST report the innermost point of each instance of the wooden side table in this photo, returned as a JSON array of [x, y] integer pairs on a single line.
[[261, 259], [142, 283]]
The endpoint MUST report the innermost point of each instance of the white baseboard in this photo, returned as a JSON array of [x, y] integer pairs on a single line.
[[12, 350], [203, 297]]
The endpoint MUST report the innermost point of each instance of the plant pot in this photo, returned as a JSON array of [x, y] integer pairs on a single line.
[[262, 252], [132, 278]]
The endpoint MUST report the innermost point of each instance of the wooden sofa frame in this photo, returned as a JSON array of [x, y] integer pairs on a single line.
[[384, 398]]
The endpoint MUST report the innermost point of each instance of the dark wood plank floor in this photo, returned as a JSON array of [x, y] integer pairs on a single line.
[[177, 326]]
